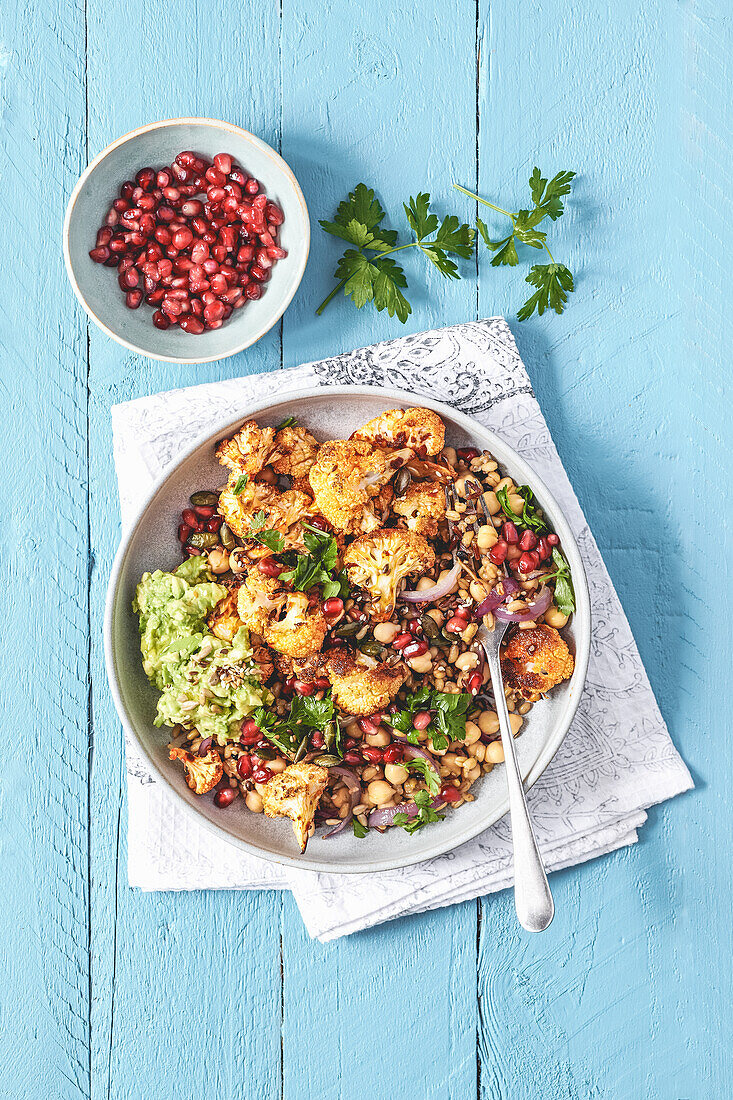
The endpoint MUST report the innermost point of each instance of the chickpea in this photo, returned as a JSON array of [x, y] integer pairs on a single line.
[[369, 772], [515, 721], [378, 739], [277, 765], [505, 483], [395, 774], [478, 592], [516, 503], [380, 792], [254, 802], [218, 560], [387, 632], [488, 722], [554, 617], [495, 752], [478, 750], [450, 456], [472, 773], [487, 537], [421, 664], [473, 733], [451, 762], [352, 730], [492, 502], [432, 749], [467, 661]]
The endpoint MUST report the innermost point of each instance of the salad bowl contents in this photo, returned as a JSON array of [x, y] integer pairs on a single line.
[[314, 651], [195, 240]]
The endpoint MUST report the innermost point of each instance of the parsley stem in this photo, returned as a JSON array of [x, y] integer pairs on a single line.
[[548, 252], [485, 202], [342, 284]]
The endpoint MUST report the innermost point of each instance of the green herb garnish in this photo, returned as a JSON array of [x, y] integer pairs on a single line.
[[449, 723], [425, 814], [427, 771], [270, 538], [553, 281], [288, 734], [240, 484], [564, 593], [288, 422], [318, 565], [366, 273], [359, 829], [530, 516]]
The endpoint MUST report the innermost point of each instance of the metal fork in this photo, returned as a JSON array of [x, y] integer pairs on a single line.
[[532, 898]]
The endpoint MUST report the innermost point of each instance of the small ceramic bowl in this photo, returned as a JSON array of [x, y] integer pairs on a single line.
[[156, 146]]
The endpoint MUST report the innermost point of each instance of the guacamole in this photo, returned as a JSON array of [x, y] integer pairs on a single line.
[[205, 683]]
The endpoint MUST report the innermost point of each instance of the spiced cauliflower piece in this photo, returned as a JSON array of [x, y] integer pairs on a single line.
[[300, 631], [259, 598], [295, 452], [379, 562], [249, 450], [421, 430], [306, 669], [423, 507], [295, 793], [224, 620], [536, 660], [202, 772], [346, 475], [283, 511], [360, 685]]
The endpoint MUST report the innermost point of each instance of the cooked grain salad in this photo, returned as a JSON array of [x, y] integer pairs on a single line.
[[315, 650]]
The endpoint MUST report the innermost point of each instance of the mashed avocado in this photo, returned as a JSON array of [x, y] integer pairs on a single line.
[[206, 684]]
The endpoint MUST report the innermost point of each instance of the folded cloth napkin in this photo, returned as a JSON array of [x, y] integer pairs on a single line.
[[617, 758]]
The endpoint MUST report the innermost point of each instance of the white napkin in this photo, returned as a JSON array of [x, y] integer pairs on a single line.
[[617, 758]]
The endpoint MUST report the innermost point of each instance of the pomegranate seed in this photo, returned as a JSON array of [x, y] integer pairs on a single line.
[[191, 207], [414, 628], [251, 732], [252, 186], [422, 720], [373, 755], [526, 563], [160, 320], [475, 680], [225, 797], [553, 540], [256, 272], [322, 682], [270, 567], [214, 311], [127, 188], [366, 725], [543, 549], [214, 523], [352, 758], [145, 178], [528, 540], [498, 552], [186, 159], [112, 218], [274, 214], [192, 325], [333, 605], [223, 162], [204, 511], [253, 291], [276, 253], [182, 238], [133, 298], [147, 203], [393, 754], [467, 453], [301, 688], [455, 625], [510, 532], [260, 775], [183, 529], [99, 255], [244, 767], [163, 179], [415, 649], [449, 794], [189, 516], [401, 641]]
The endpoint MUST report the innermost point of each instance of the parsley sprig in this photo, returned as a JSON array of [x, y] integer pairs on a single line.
[[318, 565], [530, 516], [290, 734], [366, 273], [449, 722], [564, 592], [553, 281], [425, 814]]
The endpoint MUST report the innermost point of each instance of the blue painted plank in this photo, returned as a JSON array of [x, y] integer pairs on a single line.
[[617, 999], [44, 927], [379, 1011], [186, 986]]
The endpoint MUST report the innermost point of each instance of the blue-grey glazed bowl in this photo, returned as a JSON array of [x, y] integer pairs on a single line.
[[156, 145]]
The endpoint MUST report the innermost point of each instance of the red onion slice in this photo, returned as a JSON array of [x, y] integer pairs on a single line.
[[495, 599], [531, 612], [355, 791], [442, 588], [381, 818]]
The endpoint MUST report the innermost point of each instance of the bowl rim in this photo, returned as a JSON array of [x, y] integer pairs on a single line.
[[229, 127], [582, 641]]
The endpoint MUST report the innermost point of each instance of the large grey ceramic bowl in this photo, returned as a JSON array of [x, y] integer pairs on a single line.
[[150, 543], [156, 145]]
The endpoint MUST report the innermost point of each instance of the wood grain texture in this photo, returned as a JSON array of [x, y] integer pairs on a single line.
[[106, 992]]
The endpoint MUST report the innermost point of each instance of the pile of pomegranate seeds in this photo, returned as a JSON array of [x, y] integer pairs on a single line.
[[193, 259]]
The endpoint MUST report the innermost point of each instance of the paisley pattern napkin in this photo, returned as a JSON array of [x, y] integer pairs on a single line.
[[617, 758]]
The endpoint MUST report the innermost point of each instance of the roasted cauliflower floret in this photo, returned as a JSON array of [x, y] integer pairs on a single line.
[[300, 631], [295, 793], [263, 660], [345, 477], [295, 452], [362, 686], [202, 772], [258, 600], [306, 669], [224, 620], [536, 660], [249, 450], [283, 511], [421, 430], [423, 507], [380, 561]]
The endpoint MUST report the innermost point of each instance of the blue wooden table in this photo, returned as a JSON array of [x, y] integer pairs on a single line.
[[109, 992]]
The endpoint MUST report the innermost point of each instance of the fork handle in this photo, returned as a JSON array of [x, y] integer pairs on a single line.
[[532, 897]]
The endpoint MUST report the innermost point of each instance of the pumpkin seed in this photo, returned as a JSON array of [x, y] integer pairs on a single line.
[[204, 497], [401, 482], [348, 630], [227, 538], [430, 627], [327, 761], [301, 750], [265, 752], [370, 646], [203, 540]]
